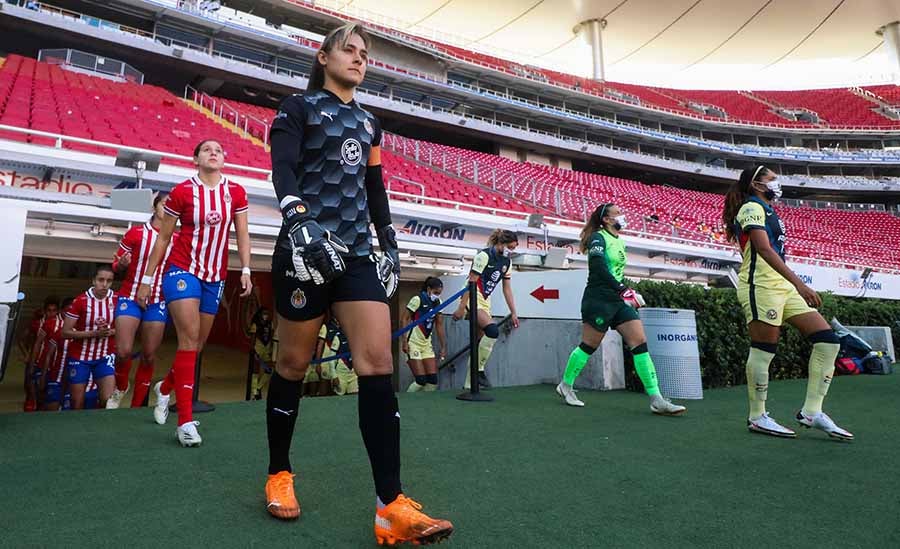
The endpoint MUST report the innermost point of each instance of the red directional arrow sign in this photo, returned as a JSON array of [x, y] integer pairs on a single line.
[[542, 294]]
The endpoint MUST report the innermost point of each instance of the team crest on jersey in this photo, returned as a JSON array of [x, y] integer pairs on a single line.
[[771, 314], [298, 299], [368, 126], [351, 152], [213, 218], [73, 372], [123, 306], [227, 198], [504, 268], [181, 285]]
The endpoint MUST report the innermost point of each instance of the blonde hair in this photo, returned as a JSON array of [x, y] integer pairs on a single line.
[[337, 37]]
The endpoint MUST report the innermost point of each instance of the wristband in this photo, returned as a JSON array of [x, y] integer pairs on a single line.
[[147, 279], [245, 271]]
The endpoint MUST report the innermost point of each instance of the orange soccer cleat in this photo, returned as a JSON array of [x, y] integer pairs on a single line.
[[280, 500], [403, 522]]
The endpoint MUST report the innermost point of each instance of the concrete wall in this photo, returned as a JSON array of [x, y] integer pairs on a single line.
[[408, 58], [534, 353], [538, 158]]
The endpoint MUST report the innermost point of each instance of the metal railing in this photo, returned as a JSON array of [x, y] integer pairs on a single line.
[[60, 139], [221, 108]]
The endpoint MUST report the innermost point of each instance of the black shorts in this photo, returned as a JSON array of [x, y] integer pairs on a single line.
[[298, 301]]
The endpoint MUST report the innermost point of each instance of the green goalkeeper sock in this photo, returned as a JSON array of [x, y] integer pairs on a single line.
[[643, 364], [578, 359]]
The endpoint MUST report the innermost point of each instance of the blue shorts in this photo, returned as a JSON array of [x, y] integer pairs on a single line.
[[81, 370], [155, 312], [180, 284], [54, 392]]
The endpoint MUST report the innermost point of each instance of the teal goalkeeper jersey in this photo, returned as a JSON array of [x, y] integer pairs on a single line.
[[606, 262]]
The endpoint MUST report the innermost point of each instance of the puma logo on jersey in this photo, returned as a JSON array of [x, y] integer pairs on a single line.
[[327, 115]]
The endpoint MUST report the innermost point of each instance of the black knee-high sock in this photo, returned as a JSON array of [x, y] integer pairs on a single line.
[[282, 409], [379, 423]]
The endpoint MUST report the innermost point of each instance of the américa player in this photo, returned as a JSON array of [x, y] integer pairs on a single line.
[[417, 344], [608, 303], [490, 267], [771, 294]]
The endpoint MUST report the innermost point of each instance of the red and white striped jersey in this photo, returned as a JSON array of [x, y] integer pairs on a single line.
[[206, 215], [139, 242], [48, 327], [60, 346], [87, 310]]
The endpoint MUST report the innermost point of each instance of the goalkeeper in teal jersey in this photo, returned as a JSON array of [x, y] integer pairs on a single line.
[[608, 303]]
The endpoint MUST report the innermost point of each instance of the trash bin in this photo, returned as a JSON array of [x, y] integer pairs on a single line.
[[672, 342]]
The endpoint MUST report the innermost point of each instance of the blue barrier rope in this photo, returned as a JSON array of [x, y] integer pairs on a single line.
[[431, 314]]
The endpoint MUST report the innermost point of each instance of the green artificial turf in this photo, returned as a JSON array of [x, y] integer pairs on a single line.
[[523, 471]]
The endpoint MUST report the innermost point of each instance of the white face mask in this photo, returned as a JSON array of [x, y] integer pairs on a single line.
[[621, 222], [507, 252], [773, 189], [434, 297]]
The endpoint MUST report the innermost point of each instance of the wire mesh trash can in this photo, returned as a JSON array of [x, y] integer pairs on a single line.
[[672, 342]]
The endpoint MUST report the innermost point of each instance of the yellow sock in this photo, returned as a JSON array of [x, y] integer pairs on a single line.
[[758, 380], [254, 386], [821, 368], [485, 346]]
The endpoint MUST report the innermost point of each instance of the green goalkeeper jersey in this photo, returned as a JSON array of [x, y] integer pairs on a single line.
[[606, 262]]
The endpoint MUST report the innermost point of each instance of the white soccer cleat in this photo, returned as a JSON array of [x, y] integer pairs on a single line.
[[161, 410], [768, 426], [187, 434], [661, 406], [414, 387], [822, 422], [115, 400], [568, 393]]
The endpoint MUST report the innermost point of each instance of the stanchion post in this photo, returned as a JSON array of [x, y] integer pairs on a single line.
[[474, 394]]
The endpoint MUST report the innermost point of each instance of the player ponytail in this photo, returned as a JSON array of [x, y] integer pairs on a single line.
[[592, 225], [502, 236], [738, 194], [336, 38]]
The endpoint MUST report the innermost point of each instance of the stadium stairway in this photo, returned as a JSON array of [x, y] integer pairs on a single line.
[[226, 124]]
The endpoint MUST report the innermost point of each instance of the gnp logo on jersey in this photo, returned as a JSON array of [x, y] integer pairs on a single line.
[[298, 299], [351, 152], [213, 218]]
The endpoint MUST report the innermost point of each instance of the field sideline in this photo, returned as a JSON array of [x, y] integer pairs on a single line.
[[524, 471]]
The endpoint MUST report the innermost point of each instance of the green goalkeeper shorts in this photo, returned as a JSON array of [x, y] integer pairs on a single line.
[[605, 310]]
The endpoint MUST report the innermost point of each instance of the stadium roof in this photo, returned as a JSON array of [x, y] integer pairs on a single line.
[[760, 44]]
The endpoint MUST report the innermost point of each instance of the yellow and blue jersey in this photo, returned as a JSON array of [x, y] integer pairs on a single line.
[[491, 268], [420, 305], [755, 214]]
